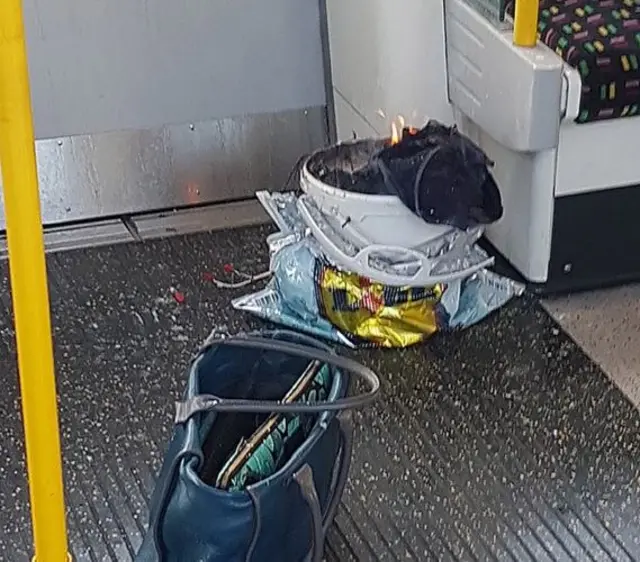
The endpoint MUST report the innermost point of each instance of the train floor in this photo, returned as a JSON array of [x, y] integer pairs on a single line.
[[503, 442]]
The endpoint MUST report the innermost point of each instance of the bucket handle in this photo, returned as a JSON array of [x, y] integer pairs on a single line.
[[361, 262]]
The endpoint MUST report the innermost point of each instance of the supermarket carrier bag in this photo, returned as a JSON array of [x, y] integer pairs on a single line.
[[260, 452]]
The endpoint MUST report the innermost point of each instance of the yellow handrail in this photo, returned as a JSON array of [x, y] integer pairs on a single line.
[[29, 291], [525, 23]]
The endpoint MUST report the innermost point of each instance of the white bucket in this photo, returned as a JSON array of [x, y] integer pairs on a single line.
[[380, 219]]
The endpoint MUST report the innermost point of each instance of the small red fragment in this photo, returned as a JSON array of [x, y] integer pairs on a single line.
[[178, 296], [208, 277], [228, 268]]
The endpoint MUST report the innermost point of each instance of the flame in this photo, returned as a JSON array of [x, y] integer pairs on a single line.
[[399, 128], [395, 136]]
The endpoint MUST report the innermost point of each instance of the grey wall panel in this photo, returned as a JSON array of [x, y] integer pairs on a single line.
[[113, 65], [133, 171]]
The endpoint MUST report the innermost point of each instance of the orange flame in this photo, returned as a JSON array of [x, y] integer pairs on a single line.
[[399, 128], [395, 136]]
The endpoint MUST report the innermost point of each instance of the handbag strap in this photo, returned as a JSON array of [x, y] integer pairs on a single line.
[[345, 420], [307, 485], [320, 521], [207, 402]]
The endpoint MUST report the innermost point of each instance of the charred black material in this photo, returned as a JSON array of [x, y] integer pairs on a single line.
[[442, 176], [347, 166]]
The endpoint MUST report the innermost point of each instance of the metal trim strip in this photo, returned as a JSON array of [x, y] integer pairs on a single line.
[[108, 175]]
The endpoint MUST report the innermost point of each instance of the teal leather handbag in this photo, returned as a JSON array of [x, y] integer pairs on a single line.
[[236, 386]]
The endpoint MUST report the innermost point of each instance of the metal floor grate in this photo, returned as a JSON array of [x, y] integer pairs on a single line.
[[501, 443]]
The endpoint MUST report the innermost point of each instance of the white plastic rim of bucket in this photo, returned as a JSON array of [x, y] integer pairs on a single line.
[[381, 219], [360, 263]]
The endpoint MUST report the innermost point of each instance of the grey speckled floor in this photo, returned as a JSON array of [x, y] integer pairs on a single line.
[[505, 442], [606, 324]]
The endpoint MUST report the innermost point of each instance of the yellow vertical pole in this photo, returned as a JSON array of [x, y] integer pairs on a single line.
[[29, 291], [525, 23]]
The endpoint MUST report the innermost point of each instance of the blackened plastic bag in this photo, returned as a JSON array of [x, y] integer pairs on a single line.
[[442, 176]]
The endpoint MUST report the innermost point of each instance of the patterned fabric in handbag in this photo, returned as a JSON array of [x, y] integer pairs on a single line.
[[269, 448], [601, 39], [235, 386]]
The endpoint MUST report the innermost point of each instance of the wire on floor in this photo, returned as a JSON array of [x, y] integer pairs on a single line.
[[246, 278]]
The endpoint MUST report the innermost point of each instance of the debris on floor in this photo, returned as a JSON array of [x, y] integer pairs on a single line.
[[178, 296], [380, 247], [234, 274]]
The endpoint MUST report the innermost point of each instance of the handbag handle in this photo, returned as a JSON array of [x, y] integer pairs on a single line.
[[185, 409], [304, 479], [342, 468]]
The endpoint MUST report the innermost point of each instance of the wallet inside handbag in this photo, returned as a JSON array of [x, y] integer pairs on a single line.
[[248, 449]]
